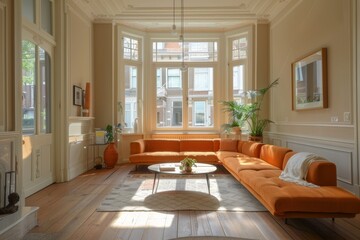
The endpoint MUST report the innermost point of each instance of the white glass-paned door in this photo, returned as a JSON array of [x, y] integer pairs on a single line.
[[29, 73], [45, 91]]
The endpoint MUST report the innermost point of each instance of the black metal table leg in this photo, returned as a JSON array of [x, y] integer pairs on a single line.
[[155, 176], [208, 182]]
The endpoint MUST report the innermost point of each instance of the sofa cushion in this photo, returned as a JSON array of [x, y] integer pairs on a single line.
[[243, 162], [137, 146], [274, 154], [155, 157], [224, 154], [240, 144], [197, 145], [252, 149], [202, 157], [229, 145], [162, 145], [216, 144]]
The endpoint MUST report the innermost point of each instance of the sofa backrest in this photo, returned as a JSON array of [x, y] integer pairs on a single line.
[[230, 145], [162, 145], [274, 154], [252, 149], [198, 145]]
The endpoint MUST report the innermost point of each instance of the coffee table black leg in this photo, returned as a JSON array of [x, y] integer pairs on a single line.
[[157, 183], [155, 176], [208, 182]]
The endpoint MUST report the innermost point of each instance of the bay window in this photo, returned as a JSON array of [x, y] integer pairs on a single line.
[[185, 99]]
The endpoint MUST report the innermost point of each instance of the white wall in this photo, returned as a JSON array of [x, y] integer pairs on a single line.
[[79, 67], [314, 24], [79, 64]]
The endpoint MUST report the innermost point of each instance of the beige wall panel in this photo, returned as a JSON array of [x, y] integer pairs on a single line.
[[2, 69], [311, 26], [80, 49], [103, 74], [262, 63]]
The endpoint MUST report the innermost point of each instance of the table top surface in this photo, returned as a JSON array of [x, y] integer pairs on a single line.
[[201, 168]]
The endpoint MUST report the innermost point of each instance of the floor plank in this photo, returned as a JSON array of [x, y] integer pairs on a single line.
[[68, 211]]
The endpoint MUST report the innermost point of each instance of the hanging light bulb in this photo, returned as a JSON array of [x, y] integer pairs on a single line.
[[173, 28]]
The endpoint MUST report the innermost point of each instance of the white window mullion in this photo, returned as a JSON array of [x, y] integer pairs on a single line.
[[184, 76]]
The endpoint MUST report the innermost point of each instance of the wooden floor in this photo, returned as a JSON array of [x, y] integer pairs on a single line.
[[68, 211]]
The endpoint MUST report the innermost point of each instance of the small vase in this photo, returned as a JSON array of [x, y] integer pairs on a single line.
[[110, 155]]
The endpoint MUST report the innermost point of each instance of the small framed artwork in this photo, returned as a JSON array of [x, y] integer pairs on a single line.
[[77, 96], [309, 81]]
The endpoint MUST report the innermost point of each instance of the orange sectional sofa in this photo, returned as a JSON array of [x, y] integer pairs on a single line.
[[258, 167]]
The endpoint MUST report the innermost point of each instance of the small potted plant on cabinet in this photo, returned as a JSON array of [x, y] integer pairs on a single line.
[[110, 152], [187, 164]]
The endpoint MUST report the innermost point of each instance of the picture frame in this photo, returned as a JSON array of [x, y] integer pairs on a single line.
[[77, 96], [309, 81]]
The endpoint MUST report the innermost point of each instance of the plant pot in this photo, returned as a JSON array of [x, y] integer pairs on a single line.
[[110, 155], [188, 169], [255, 138], [237, 130]]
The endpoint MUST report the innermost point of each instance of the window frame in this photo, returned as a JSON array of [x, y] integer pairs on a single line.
[[185, 110], [49, 49], [246, 62], [120, 96]]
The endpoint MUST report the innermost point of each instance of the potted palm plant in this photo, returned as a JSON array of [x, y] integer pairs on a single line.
[[238, 115], [110, 152], [256, 122]]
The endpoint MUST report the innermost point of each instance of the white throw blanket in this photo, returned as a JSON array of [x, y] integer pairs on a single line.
[[297, 167]]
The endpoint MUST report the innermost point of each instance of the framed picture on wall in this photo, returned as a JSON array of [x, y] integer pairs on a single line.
[[77, 95], [309, 81]]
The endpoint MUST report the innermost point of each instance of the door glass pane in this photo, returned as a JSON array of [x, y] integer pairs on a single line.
[[46, 16], [28, 87], [238, 82], [201, 97], [130, 96], [28, 10], [169, 95], [45, 92]]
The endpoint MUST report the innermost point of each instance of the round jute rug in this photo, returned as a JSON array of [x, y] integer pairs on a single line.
[[210, 238]]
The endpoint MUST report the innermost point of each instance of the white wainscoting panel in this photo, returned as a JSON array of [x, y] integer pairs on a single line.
[[339, 152]]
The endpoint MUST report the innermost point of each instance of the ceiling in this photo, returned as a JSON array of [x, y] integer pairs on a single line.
[[207, 15]]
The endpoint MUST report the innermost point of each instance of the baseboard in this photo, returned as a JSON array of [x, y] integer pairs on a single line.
[[16, 225], [37, 187]]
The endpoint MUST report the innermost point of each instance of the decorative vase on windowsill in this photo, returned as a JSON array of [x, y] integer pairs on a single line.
[[110, 153]]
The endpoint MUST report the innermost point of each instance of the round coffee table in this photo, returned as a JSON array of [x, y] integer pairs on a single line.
[[201, 168]]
